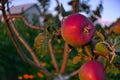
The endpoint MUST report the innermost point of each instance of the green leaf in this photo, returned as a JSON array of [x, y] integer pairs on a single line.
[[93, 18], [64, 13], [101, 48], [99, 28], [62, 9], [70, 3]]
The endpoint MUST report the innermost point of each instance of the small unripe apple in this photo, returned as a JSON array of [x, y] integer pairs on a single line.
[[77, 30], [92, 70], [115, 28]]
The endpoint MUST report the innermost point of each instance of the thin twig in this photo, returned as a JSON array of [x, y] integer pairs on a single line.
[[75, 5], [59, 7], [106, 56], [65, 59], [109, 46], [74, 73], [1, 7], [13, 37], [113, 55], [29, 49], [112, 48], [52, 55], [25, 21]]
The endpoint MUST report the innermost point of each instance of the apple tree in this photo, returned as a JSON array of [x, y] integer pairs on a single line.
[[74, 47]]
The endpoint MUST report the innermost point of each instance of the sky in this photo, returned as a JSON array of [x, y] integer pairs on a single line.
[[111, 8]]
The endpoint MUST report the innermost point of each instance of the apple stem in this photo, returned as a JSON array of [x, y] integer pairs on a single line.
[[86, 29]]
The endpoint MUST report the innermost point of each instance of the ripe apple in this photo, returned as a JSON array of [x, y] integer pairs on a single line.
[[77, 30], [92, 70]]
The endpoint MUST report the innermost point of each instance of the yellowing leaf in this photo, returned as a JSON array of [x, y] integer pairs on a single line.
[[40, 45], [100, 35], [101, 48], [76, 59], [79, 50]]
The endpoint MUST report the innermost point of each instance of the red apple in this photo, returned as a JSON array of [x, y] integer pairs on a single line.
[[92, 70], [77, 30]]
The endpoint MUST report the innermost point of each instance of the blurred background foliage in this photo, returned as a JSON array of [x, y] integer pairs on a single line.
[[12, 66]]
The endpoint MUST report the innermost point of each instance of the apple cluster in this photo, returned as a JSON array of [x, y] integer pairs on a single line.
[[77, 30]]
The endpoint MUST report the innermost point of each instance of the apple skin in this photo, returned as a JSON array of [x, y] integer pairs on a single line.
[[92, 70], [77, 30]]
